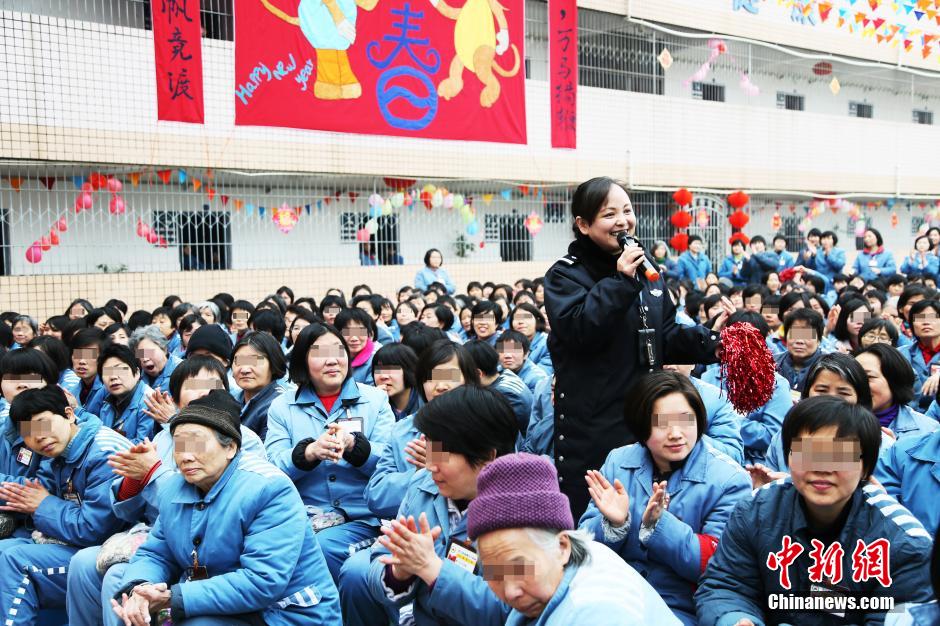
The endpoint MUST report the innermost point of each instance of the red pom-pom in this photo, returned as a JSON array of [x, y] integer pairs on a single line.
[[739, 219], [682, 197], [738, 200], [681, 219], [787, 274], [739, 236], [680, 242], [747, 367]]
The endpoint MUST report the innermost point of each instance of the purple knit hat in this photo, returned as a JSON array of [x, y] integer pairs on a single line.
[[518, 491]]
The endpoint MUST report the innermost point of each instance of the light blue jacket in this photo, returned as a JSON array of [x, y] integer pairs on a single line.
[[929, 266], [389, 481], [830, 264], [866, 263], [723, 423], [363, 373], [605, 591], [70, 381], [88, 520], [910, 471], [426, 276], [162, 380], [538, 353], [922, 369], [735, 270], [133, 422], [531, 374], [784, 259], [16, 460], [95, 397], [266, 560], [540, 435], [458, 596], [693, 268], [759, 427], [330, 486], [702, 493]]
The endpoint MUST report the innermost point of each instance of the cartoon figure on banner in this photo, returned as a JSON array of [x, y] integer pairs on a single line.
[[330, 27], [477, 43]]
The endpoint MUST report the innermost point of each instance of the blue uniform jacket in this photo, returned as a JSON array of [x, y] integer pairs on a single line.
[[723, 424], [363, 373], [539, 436], [133, 423], [539, 354], [531, 374], [668, 267], [760, 263], [735, 269], [458, 597], [831, 263], [330, 486], [737, 582], [518, 396], [910, 471], [693, 268], [759, 427], [162, 380], [78, 510], [389, 481], [17, 462], [922, 369], [928, 266], [702, 493], [266, 560], [796, 377], [784, 260], [426, 276], [95, 397], [255, 412], [69, 381], [866, 263]]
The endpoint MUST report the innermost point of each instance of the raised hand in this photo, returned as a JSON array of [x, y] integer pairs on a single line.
[[612, 501]]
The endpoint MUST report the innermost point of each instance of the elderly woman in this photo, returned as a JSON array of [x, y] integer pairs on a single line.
[[156, 363], [265, 567], [536, 563]]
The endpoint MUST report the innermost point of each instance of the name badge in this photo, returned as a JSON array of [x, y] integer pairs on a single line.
[[351, 424], [795, 395], [24, 456], [873, 263], [463, 554], [197, 572]]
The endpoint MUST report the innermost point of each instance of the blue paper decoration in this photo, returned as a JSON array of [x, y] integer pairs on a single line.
[[182, 177], [506, 194], [78, 181]]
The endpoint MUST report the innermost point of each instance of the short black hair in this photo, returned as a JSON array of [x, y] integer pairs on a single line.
[[95, 314], [879, 240], [419, 337], [29, 361], [53, 348], [345, 317], [821, 302], [408, 304], [227, 298], [85, 304], [643, 394], [918, 308], [444, 315], [694, 238], [829, 233], [484, 307], [846, 368], [35, 401], [267, 345], [87, 337], [534, 310], [397, 355], [115, 327], [516, 337], [813, 232], [190, 368], [120, 305], [787, 301], [819, 285], [750, 317], [878, 295], [807, 315], [244, 305], [895, 279], [877, 323], [757, 239], [779, 236], [473, 422], [693, 303], [853, 421], [427, 256], [120, 352], [276, 300], [485, 356], [331, 301], [358, 288], [440, 352], [139, 319], [374, 306], [896, 370], [299, 374], [161, 310], [474, 284], [171, 301], [287, 290], [268, 321], [752, 290], [190, 323], [912, 291], [841, 330]]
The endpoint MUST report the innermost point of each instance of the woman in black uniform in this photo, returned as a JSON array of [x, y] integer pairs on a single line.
[[610, 324]]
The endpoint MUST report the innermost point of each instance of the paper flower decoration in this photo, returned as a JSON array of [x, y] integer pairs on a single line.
[[534, 223], [284, 217]]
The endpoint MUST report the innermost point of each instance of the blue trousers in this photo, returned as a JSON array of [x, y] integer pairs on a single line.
[[337, 541], [359, 609], [88, 599], [31, 576]]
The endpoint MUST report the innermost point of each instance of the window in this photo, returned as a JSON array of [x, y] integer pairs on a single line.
[[555, 213], [612, 54], [923, 117], [708, 91], [204, 237], [790, 101], [349, 224], [861, 109], [491, 227]]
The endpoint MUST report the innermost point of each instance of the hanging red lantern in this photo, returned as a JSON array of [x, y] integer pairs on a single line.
[[681, 219], [682, 197], [823, 68], [680, 242], [738, 200], [738, 219]]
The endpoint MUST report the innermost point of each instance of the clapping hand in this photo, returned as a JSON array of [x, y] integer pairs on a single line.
[[612, 501]]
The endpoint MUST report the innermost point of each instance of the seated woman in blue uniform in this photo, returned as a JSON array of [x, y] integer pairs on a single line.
[[528, 320], [124, 408], [358, 331]]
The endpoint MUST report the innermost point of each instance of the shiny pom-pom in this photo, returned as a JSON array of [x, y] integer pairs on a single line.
[[747, 367]]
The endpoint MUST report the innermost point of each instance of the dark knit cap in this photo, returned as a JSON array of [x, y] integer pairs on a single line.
[[217, 410], [213, 338], [518, 491]]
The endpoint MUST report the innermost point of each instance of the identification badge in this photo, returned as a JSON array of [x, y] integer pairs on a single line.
[[24, 456], [350, 424], [872, 263], [795, 395], [820, 590], [70, 494], [463, 554], [197, 572]]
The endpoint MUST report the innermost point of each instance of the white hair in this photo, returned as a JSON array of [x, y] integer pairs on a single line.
[[548, 540], [152, 333]]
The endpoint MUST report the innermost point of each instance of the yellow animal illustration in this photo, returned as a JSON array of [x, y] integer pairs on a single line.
[[477, 43], [330, 27]]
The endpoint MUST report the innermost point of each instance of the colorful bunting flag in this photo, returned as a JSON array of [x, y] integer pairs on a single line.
[[197, 184]]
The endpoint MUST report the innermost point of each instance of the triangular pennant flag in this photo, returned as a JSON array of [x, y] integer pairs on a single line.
[[210, 174], [297, 210], [807, 8], [908, 8], [841, 22], [880, 38], [873, 4], [319, 205], [307, 208], [135, 178], [211, 193], [197, 184], [824, 9], [928, 39], [506, 194], [926, 51], [238, 204], [48, 182], [878, 22], [78, 181], [249, 208], [524, 189], [16, 182], [487, 198], [164, 175], [328, 199], [182, 177], [918, 14], [353, 195], [859, 17], [224, 199], [843, 12], [261, 211], [907, 44]]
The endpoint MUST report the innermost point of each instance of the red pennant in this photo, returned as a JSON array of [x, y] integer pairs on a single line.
[[338, 194], [878, 22], [524, 189], [210, 191], [16, 182], [224, 199], [328, 199], [353, 195], [48, 182], [926, 51], [824, 10], [164, 175]]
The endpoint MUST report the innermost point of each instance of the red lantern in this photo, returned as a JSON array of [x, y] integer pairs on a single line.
[[62, 225], [823, 68], [142, 229], [683, 197], [681, 219], [738, 200], [744, 239], [152, 237], [680, 242], [738, 219]]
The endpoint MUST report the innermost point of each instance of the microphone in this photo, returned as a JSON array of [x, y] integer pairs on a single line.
[[652, 274]]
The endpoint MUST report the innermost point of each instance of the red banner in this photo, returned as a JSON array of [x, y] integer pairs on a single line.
[[177, 46], [563, 71], [411, 68]]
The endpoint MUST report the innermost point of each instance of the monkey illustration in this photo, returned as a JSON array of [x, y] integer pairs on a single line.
[[477, 43], [330, 27]]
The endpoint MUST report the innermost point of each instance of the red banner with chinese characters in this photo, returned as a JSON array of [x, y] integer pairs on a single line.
[[177, 46], [563, 71], [443, 69]]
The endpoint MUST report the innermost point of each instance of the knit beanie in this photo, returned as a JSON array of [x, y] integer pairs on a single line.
[[518, 491], [217, 410], [213, 338]]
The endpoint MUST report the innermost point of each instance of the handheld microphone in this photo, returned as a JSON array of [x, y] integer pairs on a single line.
[[652, 274]]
